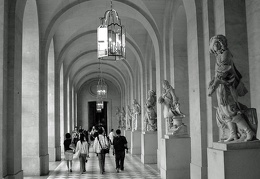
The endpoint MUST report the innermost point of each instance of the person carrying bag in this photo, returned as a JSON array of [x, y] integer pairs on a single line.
[[120, 145], [68, 152], [83, 152], [100, 146]]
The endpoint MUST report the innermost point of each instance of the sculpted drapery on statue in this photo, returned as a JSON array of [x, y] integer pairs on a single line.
[[240, 120], [123, 118], [172, 113], [129, 118], [118, 115], [136, 121], [150, 118]]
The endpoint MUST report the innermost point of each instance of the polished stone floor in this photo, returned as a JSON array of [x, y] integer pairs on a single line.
[[134, 168]]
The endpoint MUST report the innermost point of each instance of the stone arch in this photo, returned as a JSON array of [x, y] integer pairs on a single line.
[[114, 88], [132, 11], [139, 14], [132, 45], [89, 71], [80, 56]]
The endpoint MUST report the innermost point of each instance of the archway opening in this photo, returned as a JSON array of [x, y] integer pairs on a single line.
[[95, 118]]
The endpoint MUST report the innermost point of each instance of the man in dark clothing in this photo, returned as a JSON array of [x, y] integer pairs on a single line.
[[120, 144]]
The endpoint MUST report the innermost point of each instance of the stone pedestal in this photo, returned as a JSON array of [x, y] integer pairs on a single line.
[[127, 134], [234, 160], [175, 157], [149, 147], [135, 142]]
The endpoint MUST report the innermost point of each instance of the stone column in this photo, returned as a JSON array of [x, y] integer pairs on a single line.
[[51, 105], [197, 91], [12, 77], [61, 107], [3, 27], [34, 97], [57, 115], [253, 34]]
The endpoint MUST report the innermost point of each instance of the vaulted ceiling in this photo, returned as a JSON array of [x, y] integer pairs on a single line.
[[72, 25]]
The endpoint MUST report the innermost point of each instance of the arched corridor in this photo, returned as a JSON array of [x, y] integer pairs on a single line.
[[187, 109]]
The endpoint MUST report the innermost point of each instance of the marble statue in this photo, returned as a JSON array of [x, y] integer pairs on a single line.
[[136, 120], [129, 118], [172, 113], [150, 118], [240, 120], [118, 115], [123, 118]]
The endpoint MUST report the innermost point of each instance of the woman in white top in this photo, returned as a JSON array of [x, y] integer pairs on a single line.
[[99, 143], [82, 147]]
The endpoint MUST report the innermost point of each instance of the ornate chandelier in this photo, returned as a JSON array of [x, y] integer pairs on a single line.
[[101, 88], [101, 91], [111, 37]]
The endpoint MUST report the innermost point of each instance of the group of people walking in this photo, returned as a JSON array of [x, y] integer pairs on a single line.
[[77, 144]]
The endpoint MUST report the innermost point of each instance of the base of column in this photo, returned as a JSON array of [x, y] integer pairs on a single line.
[[127, 134], [58, 153], [44, 159], [36, 166], [175, 157], [234, 160], [18, 175], [149, 147], [135, 143]]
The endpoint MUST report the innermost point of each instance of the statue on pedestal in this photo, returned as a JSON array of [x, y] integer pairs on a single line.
[[129, 118], [136, 121], [123, 118], [150, 118], [118, 115], [172, 113], [240, 120]]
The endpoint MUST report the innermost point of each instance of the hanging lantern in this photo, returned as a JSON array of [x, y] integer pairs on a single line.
[[99, 105], [101, 88], [111, 37]]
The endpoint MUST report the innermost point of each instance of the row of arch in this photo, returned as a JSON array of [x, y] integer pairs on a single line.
[[44, 88], [42, 55]]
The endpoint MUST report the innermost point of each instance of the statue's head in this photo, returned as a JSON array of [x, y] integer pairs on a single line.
[[217, 43], [134, 101], [151, 93], [165, 84]]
